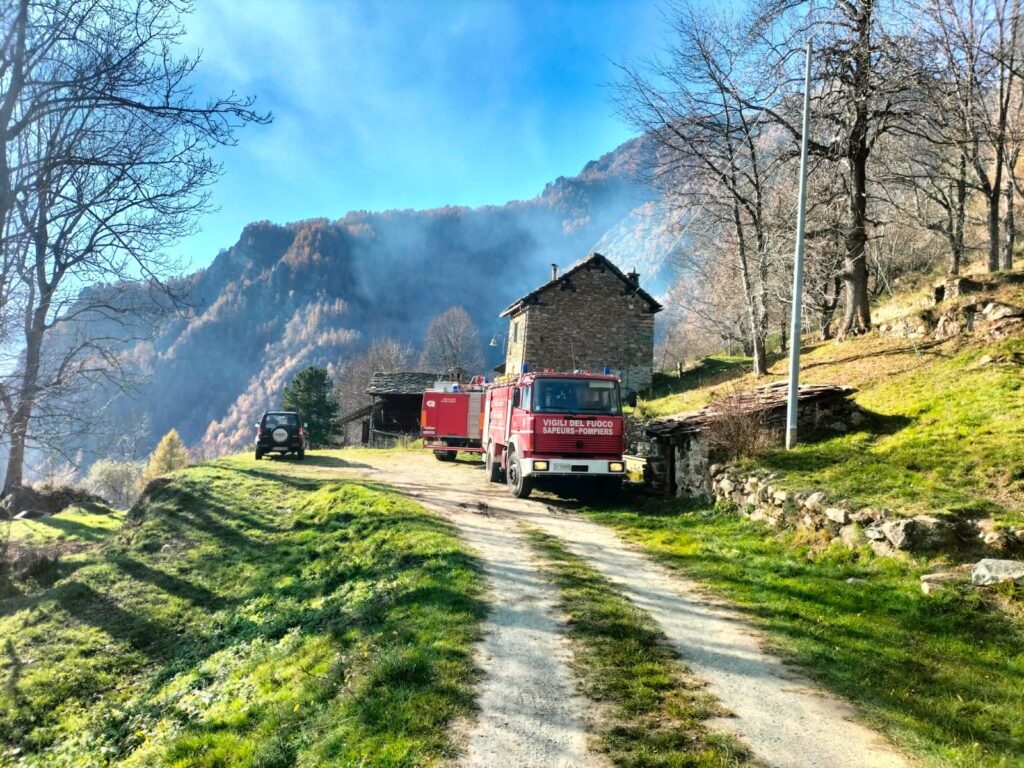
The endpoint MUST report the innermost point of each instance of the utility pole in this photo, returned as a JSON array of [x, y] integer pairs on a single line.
[[798, 267]]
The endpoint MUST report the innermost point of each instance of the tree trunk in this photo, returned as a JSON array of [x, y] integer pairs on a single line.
[[19, 424], [825, 325], [35, 329], [957, 235], [857, 313], [1010, 234], [760, 356], [995, 196], [782, 333]]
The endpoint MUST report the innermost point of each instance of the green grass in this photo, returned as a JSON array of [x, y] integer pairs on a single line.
[[247, 614], [942, 675], [654, 711], [74, 524], [946, 437], [673, 393]]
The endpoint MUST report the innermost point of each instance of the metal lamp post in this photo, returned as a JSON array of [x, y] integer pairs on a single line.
[[798, 267]]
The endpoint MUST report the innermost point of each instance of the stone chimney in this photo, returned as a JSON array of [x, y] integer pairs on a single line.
[[634, 277], [554, 272]]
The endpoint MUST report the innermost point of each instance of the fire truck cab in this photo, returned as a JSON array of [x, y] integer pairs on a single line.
[[554, 425]]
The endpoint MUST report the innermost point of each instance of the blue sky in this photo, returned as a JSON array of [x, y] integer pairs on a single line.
[[402, 104]]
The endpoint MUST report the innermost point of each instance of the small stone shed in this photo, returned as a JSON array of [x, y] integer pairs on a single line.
[[678, 450], [395, 412], [591, 316]]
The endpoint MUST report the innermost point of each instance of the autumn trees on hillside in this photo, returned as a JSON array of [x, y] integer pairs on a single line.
[[915, 141]]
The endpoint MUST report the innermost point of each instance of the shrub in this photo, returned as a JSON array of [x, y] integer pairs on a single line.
[[738, 432], [116, 481]]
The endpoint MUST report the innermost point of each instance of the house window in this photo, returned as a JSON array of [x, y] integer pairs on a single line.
[[515, 332]]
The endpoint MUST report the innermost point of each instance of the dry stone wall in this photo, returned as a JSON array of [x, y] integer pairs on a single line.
[[758, 497]]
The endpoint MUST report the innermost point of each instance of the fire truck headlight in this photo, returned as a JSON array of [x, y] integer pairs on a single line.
[[540, 466], [616, 466]]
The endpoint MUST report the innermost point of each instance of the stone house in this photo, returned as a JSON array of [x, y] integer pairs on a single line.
[[593, 316]]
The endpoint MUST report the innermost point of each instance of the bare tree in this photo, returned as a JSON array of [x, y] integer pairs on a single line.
[[352, 376], [452, 341], [103, 162], [861, 80], [973, 55], [716, 159]]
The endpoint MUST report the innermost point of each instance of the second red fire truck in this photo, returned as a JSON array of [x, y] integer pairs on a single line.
[[535, 428]]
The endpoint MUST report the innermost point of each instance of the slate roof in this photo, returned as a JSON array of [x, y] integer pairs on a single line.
[[770, 399], [592, 259], [400, 383]]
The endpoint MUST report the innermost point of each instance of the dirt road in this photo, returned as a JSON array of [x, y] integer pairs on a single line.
[[530, 714]]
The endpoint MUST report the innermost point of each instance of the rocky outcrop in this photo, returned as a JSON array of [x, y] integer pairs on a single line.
[[983, 315]]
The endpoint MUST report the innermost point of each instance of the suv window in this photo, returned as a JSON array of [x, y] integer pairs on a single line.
[[272, 420]]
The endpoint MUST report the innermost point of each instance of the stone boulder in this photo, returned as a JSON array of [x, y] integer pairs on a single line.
[[996, 310], [921, 532], [875, 533], [899, 533], [932, 532], [991, 571], [838, 515], [932, 583], [815, 502]]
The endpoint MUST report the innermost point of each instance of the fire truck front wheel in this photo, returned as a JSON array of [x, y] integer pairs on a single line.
[[492, 466], [519, 486]]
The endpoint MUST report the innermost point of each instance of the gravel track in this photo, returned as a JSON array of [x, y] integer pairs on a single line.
[[530, 714]]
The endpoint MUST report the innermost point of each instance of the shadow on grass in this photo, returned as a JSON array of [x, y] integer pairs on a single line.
[[923, 349], [155, 640], [313, 459], [75, 529], [169, 583]]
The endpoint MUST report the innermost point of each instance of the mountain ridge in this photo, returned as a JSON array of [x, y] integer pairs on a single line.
[[316, 291]]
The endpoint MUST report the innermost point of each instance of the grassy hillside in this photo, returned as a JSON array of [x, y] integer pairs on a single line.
[[945, 432], [245, 615]]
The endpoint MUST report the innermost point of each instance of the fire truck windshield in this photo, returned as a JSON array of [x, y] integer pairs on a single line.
[[576, 396]]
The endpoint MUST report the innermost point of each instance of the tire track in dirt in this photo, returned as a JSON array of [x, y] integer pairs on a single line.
[[784, 719], [530, 713]]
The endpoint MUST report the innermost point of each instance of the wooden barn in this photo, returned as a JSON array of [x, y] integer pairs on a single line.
[[395, 412]]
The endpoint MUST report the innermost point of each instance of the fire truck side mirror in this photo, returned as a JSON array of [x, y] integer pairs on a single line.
[[516, 397], [631, 399]]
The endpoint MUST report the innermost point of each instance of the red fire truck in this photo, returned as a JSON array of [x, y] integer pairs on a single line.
[[452, 417], [539, 427]]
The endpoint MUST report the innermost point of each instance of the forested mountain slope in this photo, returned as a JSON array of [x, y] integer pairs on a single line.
[[312, 292]]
